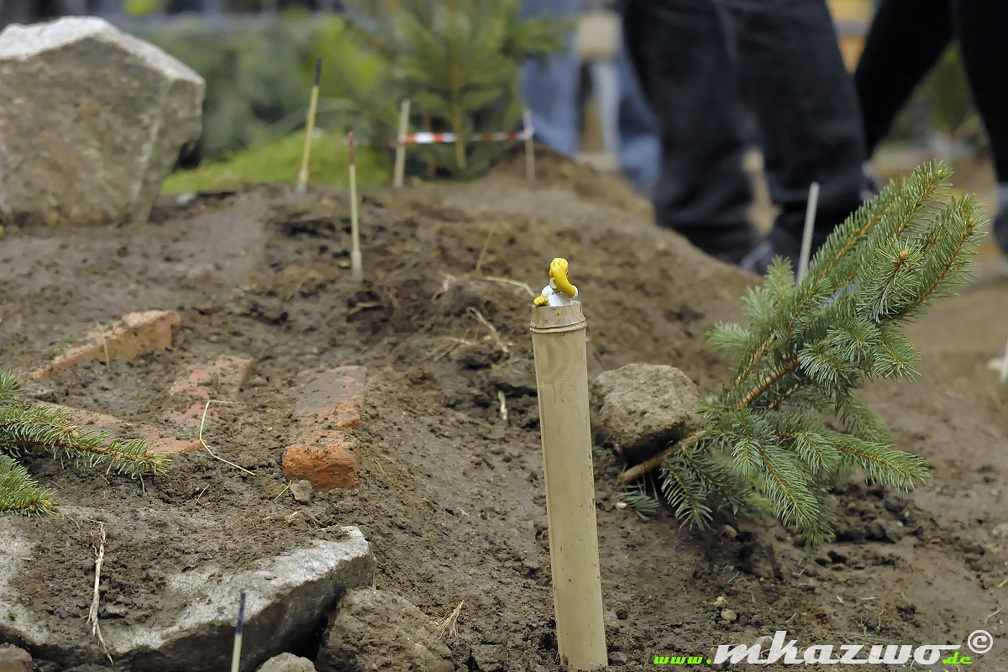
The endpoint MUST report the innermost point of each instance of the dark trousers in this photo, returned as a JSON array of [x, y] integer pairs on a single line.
[[904, 42], [702, 64]]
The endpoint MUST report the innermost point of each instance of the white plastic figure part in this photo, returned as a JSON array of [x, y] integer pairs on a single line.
[[559, 291]]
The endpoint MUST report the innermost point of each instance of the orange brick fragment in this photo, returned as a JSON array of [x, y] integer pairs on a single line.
[[133, 335], [163, 444], [321, 446], [221, 380]]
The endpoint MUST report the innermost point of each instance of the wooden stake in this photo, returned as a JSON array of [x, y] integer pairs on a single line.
[[356, 268], [239, 627], [302, 185], [400, 156], [558, 344], [529, 146], [806, 243]]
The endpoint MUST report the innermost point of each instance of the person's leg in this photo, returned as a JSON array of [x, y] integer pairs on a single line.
[[807, 113], [639, 149], [982, 28], [681, 57], [904, 42], [550, 86]]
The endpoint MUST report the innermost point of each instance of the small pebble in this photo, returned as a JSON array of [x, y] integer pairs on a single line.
[[729, 615], [617, 658], [116, 611], [302, 491]]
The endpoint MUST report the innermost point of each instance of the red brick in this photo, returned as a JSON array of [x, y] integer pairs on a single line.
[[321, 448], [163, 444], [133, 335], [221, 380]]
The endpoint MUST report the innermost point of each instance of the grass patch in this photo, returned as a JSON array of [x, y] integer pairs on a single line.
[[279, 161]]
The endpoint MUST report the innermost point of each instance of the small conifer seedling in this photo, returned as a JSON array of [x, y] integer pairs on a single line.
[[26, 425], [457, 61], [789, 422]]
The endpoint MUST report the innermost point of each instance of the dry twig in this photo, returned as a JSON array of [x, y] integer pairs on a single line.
[[207, 447], [104, 342], [494, 334], [92, 616], [448, 626]]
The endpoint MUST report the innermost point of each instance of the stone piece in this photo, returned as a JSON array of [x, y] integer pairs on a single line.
[[91, 122], [287, 662], [14, 659], [641, 408], [379, 630]]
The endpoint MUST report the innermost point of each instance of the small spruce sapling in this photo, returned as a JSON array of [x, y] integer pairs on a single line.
[[457, 61], [789, 422], [26, 424]]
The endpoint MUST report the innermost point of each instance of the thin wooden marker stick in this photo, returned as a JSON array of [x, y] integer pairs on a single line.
[[559, 350], [356, 268], [1003, 374], [239, 627], [309, 128], [529, 146], [806, 241], [400, 152]]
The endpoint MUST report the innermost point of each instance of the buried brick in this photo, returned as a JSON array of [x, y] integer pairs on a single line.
[[220, 380], [163, 444], [130, 337], [321, 448]]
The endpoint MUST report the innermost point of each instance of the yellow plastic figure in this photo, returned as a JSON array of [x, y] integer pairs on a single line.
[[559, 291]]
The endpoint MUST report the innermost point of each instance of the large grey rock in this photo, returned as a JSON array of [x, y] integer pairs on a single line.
[[379, 630], [287, 662], [288, 597], [642, 407], [13, 659], [91, 122]]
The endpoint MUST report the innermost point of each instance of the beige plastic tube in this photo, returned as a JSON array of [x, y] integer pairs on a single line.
[[558, 343]]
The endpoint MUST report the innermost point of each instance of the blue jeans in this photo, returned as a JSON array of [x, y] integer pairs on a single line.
[[550, 86], [698, 60]]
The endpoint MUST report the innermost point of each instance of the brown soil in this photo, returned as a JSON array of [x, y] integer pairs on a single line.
[[451, 496]]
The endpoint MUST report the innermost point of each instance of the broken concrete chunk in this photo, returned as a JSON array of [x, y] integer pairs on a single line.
[[641, 408], [81, 144], [288, 598]]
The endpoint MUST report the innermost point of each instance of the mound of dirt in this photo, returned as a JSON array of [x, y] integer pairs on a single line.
[[451, 493]]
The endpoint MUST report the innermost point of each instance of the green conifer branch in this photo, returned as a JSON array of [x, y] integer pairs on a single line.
[[27, 425], [806, 350], [19, 493]]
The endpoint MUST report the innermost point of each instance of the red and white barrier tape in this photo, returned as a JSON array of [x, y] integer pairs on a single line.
[[425, 138]]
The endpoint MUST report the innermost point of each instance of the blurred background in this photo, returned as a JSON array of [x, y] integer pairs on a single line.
[[258, 57]]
